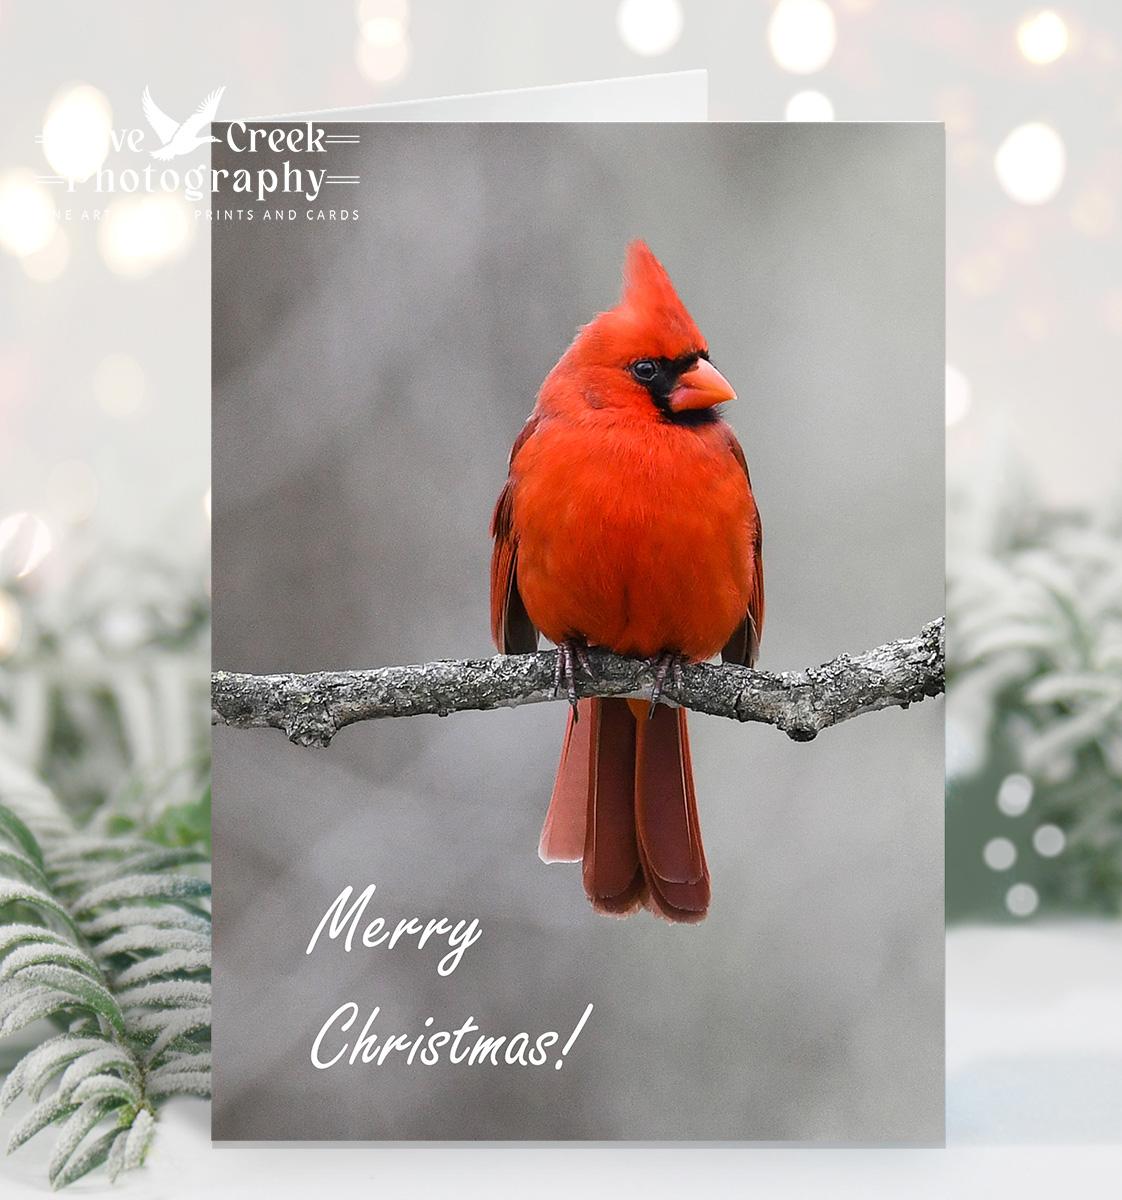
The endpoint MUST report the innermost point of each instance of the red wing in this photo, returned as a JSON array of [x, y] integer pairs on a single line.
[[511, 628], [744, 645]]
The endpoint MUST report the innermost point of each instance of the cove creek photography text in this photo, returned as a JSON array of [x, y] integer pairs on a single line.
[[257, 183]]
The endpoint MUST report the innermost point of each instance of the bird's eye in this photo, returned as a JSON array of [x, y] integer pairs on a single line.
[[644, 370]]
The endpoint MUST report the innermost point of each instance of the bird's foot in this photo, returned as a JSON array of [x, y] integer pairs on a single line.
[[669, 662], [570, 654]]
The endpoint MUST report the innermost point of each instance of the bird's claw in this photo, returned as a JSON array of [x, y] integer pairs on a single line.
[[570, 654], [667, 663]]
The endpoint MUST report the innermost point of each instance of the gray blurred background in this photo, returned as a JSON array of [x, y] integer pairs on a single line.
[[369, 378]]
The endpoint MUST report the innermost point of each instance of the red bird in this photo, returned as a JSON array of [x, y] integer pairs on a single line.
[[628, 523]]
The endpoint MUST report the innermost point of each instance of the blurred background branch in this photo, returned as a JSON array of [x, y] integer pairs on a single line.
[[103, 689], [1034, 691]]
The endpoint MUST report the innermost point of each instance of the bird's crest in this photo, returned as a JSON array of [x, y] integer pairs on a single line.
[[650, 320], [649, 294]]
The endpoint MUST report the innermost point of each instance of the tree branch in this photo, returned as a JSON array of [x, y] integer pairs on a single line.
[[311, 709]]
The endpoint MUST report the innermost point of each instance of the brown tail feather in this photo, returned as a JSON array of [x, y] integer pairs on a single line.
[[669, 835], [624, 803], [562, 837], [612, 875]]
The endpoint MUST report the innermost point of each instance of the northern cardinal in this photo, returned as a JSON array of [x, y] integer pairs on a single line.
[[628, 523]]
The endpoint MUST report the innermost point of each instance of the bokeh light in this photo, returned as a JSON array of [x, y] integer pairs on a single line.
[[382, 53], [964, 152], [1035, 319], [959, 395], [809, 106], [206, 503], [48, 263], [380, 10], [980, 274], [956, 106], [650, 27], [123, 627], [1030, 163], [25, 540], [383, 31], [139, 233], [1042, 37], [119, 385], [999, 854], [1014, 795], [11, 625], [1022, 900], [76, 131], [27, 213], [1017, 232], [1049, 841], [802, 35], [382, 63]]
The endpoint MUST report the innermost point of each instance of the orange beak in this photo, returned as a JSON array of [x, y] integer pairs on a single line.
[[701, 386]]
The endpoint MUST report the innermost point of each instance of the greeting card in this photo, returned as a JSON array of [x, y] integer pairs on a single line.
[[578, 531]]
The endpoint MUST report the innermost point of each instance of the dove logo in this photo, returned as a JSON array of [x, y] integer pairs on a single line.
[[180, 137]]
